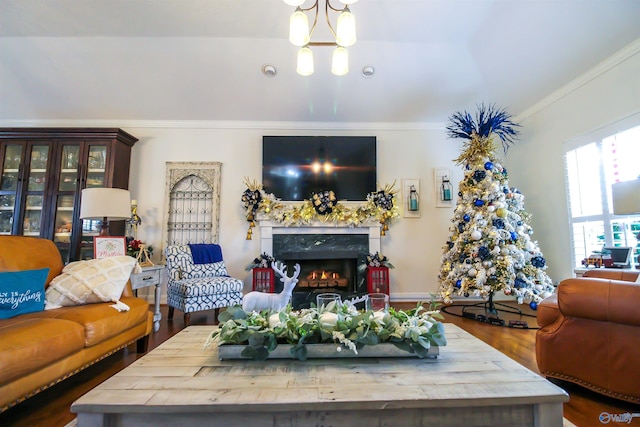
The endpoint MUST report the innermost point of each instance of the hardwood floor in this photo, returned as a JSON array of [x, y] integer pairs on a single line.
[[51, 408]]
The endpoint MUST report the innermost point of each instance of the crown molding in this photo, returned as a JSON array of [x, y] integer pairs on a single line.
[[212, 124], [614, 60]]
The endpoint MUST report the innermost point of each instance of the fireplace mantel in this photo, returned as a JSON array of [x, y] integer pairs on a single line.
[[269, 228]]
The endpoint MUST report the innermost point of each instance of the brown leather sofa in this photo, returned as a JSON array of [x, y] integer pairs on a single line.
[[590, 333], [38, 350]]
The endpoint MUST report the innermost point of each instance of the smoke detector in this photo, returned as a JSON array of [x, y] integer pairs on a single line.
[[269, 70], [368, 71]]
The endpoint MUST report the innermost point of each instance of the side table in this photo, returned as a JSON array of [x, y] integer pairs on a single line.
[[150, 276]]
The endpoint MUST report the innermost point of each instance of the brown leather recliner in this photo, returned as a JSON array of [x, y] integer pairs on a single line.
[[590, 333]]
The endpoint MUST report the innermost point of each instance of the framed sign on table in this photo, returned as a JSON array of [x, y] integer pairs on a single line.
[[104, 247]]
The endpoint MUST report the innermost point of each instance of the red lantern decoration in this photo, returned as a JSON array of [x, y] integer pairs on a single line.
[[264, 280], [378, 280]]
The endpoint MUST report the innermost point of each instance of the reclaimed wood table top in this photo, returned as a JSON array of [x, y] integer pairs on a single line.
[[470, 383]]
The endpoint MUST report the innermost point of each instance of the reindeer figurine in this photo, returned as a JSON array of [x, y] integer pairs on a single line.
[[258, 301]]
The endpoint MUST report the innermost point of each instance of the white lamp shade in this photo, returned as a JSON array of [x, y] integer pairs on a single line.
[[346, 1], [626, 197], [111, 203], [299, 28], [346, 29], [305, 62], [340, 61], [295, 3]]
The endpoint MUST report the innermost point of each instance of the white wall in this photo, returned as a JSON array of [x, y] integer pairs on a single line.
[[413, 245], [604, 96]]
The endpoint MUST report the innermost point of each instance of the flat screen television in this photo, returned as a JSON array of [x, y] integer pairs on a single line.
[[621, 256], [294, 167]]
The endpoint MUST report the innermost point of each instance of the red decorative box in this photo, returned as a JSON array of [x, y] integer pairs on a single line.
[[378, 280], [264, 280]]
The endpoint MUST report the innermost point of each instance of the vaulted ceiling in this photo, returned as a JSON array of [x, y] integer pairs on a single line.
[[203, 59]]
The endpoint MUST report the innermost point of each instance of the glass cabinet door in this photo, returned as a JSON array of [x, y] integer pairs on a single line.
[[68, 178], [36, 185], [7, 205], [96, 172], [90, 229], [64, 225], [11, 168], [9, 180]]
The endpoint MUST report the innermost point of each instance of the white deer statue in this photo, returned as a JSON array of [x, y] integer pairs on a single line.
[[258, 301]]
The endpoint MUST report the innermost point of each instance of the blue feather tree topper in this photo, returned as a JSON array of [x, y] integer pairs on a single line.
[[489, 120]]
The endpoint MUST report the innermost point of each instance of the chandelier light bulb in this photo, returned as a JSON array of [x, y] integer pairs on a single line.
[[340, 61], [299, 28], [344, 1], [305, 62], [296, 3], [346, 28]]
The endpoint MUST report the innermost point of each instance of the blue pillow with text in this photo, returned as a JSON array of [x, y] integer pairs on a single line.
[[22, 292]]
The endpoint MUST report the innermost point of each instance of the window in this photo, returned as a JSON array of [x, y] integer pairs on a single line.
[[593, 164]]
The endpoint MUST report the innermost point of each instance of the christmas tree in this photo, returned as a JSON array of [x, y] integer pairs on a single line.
[[490, 248]]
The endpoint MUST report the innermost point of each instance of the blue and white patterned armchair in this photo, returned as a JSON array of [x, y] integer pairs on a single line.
[[199, 286]]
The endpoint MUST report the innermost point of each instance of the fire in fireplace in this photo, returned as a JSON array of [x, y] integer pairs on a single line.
[[328, 263]]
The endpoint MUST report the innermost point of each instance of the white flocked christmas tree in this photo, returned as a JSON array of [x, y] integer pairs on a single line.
[[490, 247]]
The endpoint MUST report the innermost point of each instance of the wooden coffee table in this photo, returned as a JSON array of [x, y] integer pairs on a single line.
[[180, 383]]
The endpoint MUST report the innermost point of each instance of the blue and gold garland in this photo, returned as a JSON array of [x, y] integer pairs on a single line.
[[323, 206]]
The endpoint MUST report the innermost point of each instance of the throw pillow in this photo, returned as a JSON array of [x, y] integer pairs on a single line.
[[22, 292], [91, 281]]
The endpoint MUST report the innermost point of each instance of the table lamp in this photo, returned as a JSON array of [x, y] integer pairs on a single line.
[[105, 204]]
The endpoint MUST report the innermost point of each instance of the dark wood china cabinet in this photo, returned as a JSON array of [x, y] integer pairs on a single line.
[[43, 173]]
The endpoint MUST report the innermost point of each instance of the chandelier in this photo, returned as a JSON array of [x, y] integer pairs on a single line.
[[300, 35]]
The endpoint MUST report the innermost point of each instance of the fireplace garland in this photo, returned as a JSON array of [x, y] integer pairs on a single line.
[[380, 206]]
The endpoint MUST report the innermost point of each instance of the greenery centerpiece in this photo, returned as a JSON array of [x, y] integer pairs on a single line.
[[414, 331]]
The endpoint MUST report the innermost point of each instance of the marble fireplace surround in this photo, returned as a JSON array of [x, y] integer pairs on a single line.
[[318, 241]]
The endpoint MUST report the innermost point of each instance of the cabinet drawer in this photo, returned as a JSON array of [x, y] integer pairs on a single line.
[[146, 278]]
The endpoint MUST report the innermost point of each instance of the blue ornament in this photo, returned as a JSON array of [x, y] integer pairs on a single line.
[[459, 284], [533, 305], [484, 252], [479, 202], [466, 217], [538, 261], [460, 193], [479, 175], [498, 223], [505, 190], [519, 283], [514, 235], [460, 227], [488, 166], [466, 294], [467, 261]]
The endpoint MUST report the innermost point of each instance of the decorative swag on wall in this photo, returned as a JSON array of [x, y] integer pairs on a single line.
[[323, 206]]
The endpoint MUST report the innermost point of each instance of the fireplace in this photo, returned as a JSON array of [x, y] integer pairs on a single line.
[[320, 248], [328, 263]]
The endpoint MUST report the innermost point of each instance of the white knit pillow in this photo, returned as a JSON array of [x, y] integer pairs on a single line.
[[91, 281]]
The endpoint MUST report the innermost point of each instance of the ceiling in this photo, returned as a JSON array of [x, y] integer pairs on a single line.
[[202, 59]]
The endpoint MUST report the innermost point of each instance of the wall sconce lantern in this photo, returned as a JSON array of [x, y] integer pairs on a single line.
[[413, 199], [446, 189]]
